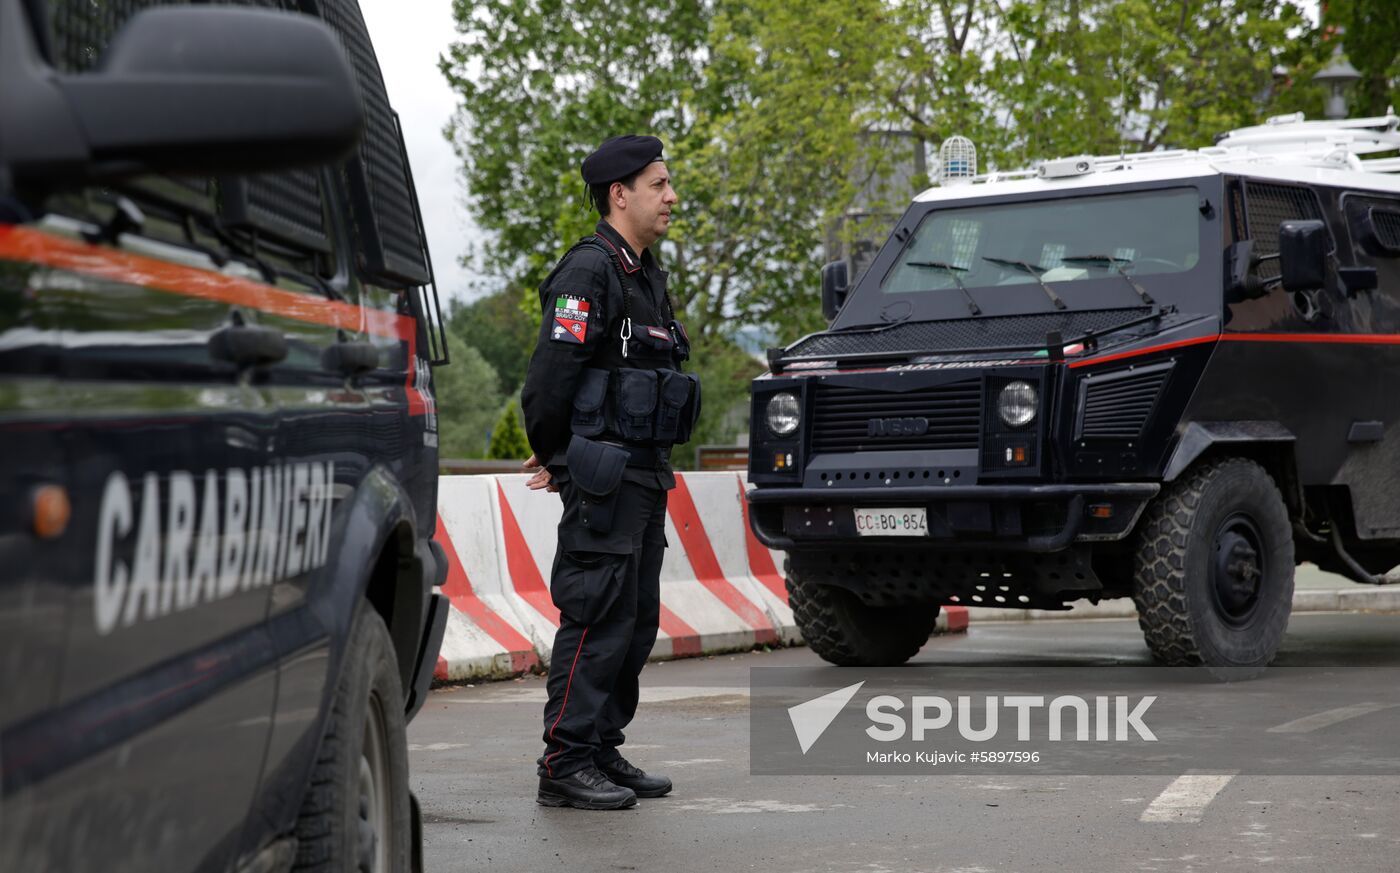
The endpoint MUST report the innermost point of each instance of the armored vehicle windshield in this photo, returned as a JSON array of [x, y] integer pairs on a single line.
[[1094, 251]]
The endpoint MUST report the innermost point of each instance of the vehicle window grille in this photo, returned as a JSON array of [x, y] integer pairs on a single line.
[[1269, 205], [1119, 405], [1387, 224], [282, 205], [985, 332], [841, 417], [392, 246], [287, 206]]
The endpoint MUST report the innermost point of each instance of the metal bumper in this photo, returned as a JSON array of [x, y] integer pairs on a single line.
[[1029, 518]]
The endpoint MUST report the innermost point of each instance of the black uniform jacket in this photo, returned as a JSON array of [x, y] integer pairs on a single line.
[[585, 284]]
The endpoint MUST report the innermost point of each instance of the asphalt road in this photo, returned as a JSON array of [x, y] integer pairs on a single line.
[[473, 749]]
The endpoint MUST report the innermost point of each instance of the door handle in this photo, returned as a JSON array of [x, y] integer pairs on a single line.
[[248, 345], [351, 357]]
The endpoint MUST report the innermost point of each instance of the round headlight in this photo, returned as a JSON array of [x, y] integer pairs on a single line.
[[783, 412], [1016, 404]]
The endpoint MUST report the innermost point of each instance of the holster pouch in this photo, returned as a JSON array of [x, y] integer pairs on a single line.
[[674, 395], [689, 418], [589, 416], [682, 339], [596, 469], [636, 404]]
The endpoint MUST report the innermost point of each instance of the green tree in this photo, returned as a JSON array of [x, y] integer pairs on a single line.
[[468, 396], [496, 327], [508, 442]]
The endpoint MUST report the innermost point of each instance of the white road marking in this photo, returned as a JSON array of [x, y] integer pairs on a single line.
[[1186, 799], [435, 747], [730, 806], [691, 762], [1328, 717], [652, 694]]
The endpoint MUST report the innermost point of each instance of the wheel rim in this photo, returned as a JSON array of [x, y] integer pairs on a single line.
[[1237, 569], [374, 824]]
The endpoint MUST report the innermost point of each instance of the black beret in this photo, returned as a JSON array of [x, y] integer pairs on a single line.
[[620, 157]]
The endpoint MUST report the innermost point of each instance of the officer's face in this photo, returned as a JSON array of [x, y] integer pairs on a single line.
[[648, 204]]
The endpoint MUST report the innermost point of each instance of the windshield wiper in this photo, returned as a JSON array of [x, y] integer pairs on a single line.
[[1034, 270], [1117, 264], [952, 270]]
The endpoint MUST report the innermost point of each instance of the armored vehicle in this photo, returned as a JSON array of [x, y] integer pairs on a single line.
[[1165, 376], [217, 442]]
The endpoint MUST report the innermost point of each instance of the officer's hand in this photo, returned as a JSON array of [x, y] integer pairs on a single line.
[[542, 477]]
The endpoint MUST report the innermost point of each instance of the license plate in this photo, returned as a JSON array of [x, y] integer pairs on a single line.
[[903, 522]]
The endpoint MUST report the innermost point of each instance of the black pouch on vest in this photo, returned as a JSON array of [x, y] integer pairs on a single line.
[[682, 339], [690, 413], [596, 470], [674, 395], [589, 417], [636, 404]]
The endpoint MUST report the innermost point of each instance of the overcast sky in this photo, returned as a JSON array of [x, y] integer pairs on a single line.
[[409, 35]]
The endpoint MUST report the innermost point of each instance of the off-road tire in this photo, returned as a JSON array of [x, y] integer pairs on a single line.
[[329, 830], [844, 631], [1179, 613]]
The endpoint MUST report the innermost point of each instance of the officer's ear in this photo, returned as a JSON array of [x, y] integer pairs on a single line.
[[617, 193]]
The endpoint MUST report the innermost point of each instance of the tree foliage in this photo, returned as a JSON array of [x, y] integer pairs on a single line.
[[468, 396], [508, 441], [496, 327], [774, 113]]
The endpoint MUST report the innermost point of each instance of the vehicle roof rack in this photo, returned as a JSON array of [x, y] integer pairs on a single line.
[[1284, 139]]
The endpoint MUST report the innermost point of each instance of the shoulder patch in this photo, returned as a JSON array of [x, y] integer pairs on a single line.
[[570, 319]]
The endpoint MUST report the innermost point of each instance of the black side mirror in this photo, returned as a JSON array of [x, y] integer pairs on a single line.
[[1302, 255], [834, 288], [196, 89]]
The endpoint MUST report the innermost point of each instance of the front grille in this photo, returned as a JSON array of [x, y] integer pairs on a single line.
[[1118, 405], [985, 332], [841, 417]]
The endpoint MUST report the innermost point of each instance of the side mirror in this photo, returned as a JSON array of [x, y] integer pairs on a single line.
[[1302, 254], [834, 288], [190, 89]]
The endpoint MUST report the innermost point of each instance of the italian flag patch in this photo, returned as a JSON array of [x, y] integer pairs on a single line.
[[570, 319]]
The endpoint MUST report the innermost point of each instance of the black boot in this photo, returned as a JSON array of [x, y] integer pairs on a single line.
[[624, 774], [585, 789]]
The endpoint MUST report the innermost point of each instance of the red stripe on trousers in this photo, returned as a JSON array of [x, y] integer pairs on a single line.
[[706, 565], [564, 705], [760, 559], [459, 591], [520, 564]]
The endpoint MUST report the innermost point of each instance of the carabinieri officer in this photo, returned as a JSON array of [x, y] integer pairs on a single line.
[[604, 401]]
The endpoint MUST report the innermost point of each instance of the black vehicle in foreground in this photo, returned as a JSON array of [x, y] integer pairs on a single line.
[[1168, 376], [218, 443]]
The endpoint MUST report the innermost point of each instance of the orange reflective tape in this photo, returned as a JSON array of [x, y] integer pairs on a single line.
[[27, 245]]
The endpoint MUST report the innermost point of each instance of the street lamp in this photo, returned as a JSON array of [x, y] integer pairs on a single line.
[[1337, 76]]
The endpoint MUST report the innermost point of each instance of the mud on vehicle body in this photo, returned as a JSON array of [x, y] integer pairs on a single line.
[[1162, 376], [217, 327]]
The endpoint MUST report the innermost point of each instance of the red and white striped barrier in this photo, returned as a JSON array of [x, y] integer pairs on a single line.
[[721, 589]]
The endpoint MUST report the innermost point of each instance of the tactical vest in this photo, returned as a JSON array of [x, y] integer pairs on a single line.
[[635, 393]]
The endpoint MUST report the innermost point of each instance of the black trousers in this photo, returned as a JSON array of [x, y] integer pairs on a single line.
[[607, 588]]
